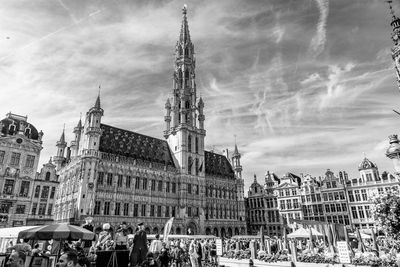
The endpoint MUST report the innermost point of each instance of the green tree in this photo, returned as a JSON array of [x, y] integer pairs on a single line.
[[386, 211]]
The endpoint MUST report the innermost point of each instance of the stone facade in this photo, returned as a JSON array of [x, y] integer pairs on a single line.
[[361, 190], [117, 175], [20, 146], [331, 199], [334, 197], [262, 208]]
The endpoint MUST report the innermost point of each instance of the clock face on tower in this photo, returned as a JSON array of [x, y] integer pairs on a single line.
[[366, 165]]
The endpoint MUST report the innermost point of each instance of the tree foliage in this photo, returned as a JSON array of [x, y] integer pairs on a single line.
[[386, 211]]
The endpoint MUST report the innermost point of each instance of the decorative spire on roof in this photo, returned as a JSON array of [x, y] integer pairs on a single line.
[[236, 151], [62, 138], [255, 178], [97, 104], [184, 36]]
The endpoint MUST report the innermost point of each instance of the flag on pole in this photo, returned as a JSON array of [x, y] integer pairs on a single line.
[[167, 228], [276, 178]]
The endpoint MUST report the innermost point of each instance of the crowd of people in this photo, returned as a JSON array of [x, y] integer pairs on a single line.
[[121, 248]]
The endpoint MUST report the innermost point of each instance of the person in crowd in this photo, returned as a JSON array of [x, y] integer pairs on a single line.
[[103, 237], [193, 253], [83, 261], [213, 252], [68, 259], [156, 246], [121, 237], [121, 244], [199, 251], [164, 256], [177, 253], [16, 259], [36, 251], [88, 226], [79, 249], [149, 261], [139, 250]]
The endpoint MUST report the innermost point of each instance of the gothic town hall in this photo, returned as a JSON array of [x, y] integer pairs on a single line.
[[117, 175]]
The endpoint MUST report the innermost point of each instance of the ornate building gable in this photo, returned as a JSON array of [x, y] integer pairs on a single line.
[[134, 145]]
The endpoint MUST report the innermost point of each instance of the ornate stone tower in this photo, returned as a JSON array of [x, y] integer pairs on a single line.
[[395, 23], [184, 116], [75, 143], [61, 145], [92, 131]]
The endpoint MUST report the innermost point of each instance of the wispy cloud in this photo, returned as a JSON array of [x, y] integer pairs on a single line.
[[318, 41]]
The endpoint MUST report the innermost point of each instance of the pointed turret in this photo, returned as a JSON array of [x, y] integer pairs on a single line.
[[237, 167], [92, 128], [184, 36], [97, 104], [62, 138], [75, 143], [236, 151], [59, 159]]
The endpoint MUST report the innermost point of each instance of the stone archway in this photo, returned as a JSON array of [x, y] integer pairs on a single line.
[[230, 233], [223, 233], [242, 231], [216, 231], [191, 228], [178, 230], [155, 230], [237, 232], [147, 230], [208, 231]]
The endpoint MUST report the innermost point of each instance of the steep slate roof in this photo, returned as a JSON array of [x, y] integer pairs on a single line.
[[10, 119], [217, 164], [133, 145]]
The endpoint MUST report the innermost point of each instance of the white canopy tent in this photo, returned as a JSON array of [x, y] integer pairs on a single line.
[[10, 234], [304, 233]]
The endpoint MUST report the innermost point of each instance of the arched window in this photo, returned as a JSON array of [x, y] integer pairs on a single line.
[[197, 166], [47, 178], [11, 129], [187, 104], [196, 145], [27, 132], [190, 143], [190, 163]]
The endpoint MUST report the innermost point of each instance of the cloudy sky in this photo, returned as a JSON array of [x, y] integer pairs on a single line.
[[304, 85]]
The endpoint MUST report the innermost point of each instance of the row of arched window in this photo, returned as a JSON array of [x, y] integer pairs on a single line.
[[223, 212], [220, 193]]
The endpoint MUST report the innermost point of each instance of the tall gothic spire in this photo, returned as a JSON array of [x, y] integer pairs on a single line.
[[184, 37]]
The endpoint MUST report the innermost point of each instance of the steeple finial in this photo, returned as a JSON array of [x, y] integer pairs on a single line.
[[236, 151], [185, 35], [255, 178], [97, 104], [391, 9], [62, 138], [184, 9]]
